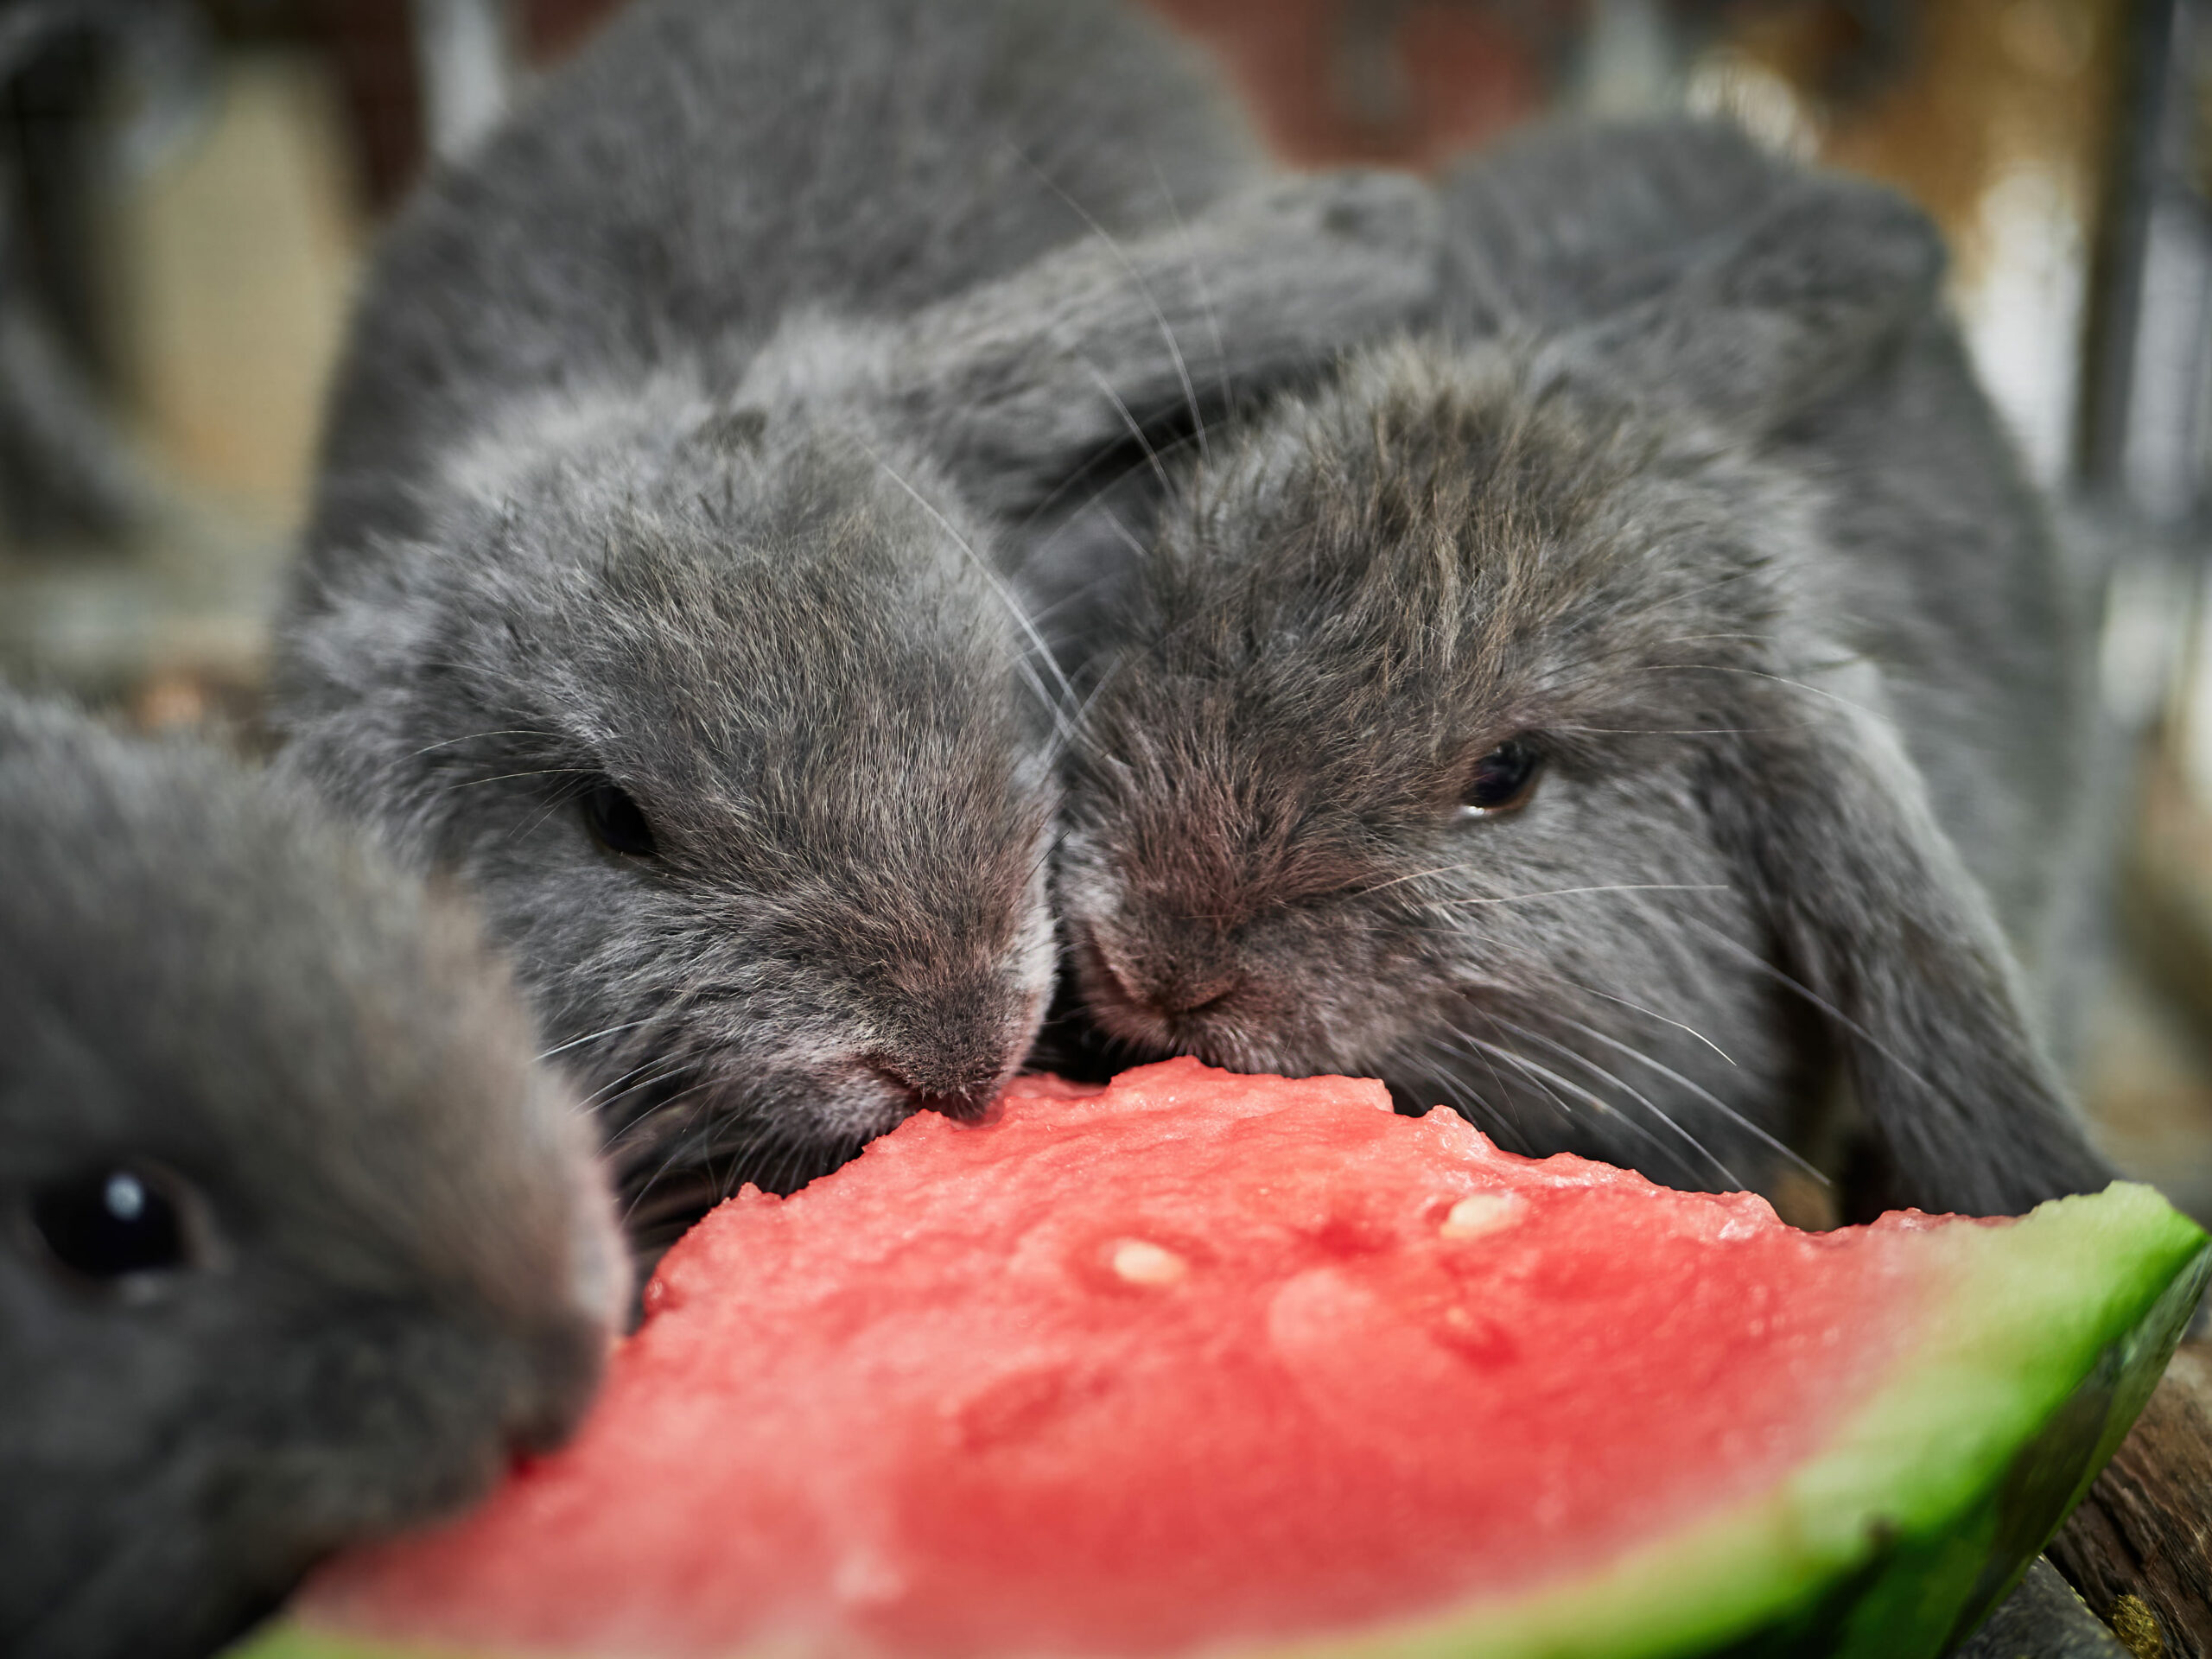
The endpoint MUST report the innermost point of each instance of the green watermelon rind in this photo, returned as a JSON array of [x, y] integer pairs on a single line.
[[2043, 1340]]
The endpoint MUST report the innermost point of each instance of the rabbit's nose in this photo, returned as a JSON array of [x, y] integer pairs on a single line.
[[537, 1433], [1170, 985], [1179, 993], [564, 1360], [964, 1096], [967, 1106]]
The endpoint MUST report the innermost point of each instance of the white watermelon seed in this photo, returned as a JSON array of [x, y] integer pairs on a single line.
[[1142, 1262], [1481, 1212]]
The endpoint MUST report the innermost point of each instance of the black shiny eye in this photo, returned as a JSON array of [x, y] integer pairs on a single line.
[[1501, 780], [109, 1224], [616, 821]]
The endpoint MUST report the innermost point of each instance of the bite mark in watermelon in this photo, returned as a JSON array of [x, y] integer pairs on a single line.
[[1218, 1364]]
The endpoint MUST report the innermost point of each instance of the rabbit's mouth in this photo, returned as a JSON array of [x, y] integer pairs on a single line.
[[1205, 1016]]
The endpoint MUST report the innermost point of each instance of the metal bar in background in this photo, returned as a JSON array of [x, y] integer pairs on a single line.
[[465, 65], [2147, 427]]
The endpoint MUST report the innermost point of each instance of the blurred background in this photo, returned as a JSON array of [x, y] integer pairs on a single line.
[[186, 187]]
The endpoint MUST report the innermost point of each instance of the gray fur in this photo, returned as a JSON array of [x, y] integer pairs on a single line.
[[677, 446], [404, 1263], [1693, 486]]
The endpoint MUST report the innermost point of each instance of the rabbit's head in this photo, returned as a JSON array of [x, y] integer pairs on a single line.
[[1485, 721], [298, 1245]]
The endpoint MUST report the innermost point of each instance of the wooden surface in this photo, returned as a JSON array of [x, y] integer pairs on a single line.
[[2042, 1619], [2144, 1531]]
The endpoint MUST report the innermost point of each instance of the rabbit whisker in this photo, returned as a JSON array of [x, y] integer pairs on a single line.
[[472, 737], [594, 1036], [997, 587], [1752, 959], [1563, 893], [676, 1155], [1548, 1078], [1205, 300], [1701, 1092], [1761, 674], [1648, 1014], [1633, 1093], [1462, 1097], [1144, 288], [506, 777], [1159, 467], [562, 797], [649, 1074], [1675, 731]]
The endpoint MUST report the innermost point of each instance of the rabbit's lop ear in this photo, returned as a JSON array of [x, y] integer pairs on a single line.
[[1021, 384], [1877, 917], [1808, 297]]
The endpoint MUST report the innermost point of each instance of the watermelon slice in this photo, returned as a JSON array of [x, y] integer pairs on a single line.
[[1210, 1363]]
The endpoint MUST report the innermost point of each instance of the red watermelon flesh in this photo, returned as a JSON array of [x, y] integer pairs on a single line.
[[1200, 1361]]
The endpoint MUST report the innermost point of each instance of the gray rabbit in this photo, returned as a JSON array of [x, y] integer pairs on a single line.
[[299, 1245], [1611, 708], [690, 436]]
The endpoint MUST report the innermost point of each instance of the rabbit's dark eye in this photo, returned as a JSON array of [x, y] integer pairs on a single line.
[[616, 821], [109, 1224], [1501, 780]]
